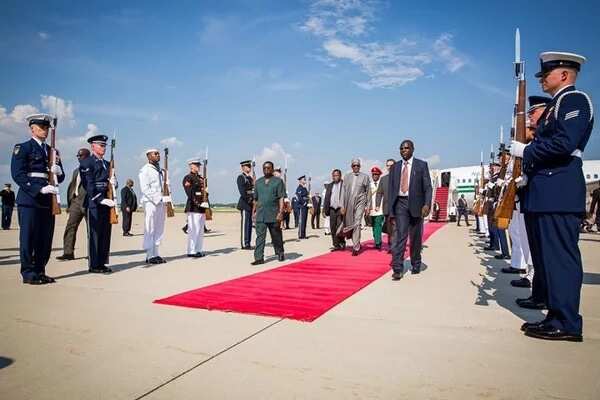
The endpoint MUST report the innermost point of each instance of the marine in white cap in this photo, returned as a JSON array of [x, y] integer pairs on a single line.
[[30, 171], [193, 185], [555, 194], [151, 179]]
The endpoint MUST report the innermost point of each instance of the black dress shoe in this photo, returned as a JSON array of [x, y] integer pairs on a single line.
[[532, 325], [354, 253], [247, 248], [34, 281], [47, 279], [152, 260], [100, 270], [66, 257], [511, 270], [281, 257], [198, 254], [523, 282], [415, 270], [396, 276], [378, 246], [549, 332], [501, 257], [161, 260], [531, 304], [257, 262]]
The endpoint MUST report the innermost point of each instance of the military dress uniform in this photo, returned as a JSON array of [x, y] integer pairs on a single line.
[[554, 201], [151, 179], [29, 169], [96, 180], [245, 187], [303, 198], [193, 184]]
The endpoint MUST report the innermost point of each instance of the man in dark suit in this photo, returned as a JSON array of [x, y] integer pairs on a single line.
[[382, 194], [75, 197], [315, 218], [8, 203], [595, 207], [128, 206], [333, 207], [409, 199]]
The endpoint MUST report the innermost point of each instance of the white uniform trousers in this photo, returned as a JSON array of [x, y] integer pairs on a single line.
[[521, 257], [195, 223], [327, 225], [154, 227], [483, 225]]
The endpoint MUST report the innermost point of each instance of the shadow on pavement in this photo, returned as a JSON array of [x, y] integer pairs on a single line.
[[5, 362]]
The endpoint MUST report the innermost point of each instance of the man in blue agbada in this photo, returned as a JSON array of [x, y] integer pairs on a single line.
[[30, 170], [554, 199]]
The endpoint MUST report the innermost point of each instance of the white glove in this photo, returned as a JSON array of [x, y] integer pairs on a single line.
[[500, 182], [56, 169], [49, 189], [113, 181], [517, 148], [490, 185], [166, 199], [521, 181], [108, 203], [480, 191]]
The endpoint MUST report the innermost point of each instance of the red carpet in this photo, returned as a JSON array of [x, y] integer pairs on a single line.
[[303, 290]]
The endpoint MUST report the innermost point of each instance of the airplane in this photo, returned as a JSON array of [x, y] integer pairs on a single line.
[[462, 180]]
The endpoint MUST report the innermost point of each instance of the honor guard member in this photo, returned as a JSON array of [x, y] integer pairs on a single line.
[[193, 184], [29, 169], [555, 194], [245, 185], [302, 197], [95, 179], [151, 185]]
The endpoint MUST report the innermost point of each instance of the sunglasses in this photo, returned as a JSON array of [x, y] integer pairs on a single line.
[[355, 165]]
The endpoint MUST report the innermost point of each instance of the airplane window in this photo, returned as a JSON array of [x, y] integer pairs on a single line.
[[588, 176], [469, 180], [464, 180], [595, 176]]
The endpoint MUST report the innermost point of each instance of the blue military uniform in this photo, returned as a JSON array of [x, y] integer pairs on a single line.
[[29, 169], [302, 197], [245, 203], [554, 199], [95, 178]]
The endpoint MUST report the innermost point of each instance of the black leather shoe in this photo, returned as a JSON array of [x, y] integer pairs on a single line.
[[198, 255], [354, 253], [531, 304], [161, 260], [415, 270], [100, 270], [501, 257], [548, 332], [47, 279], [523, 282], [511, 270], [396, 276], [247, 248], [34, 281], [532, 325], [281, 257], [152, 260], [257, 262], [66, 257]]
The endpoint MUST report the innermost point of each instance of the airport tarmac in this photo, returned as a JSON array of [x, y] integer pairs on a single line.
[[451, 332]]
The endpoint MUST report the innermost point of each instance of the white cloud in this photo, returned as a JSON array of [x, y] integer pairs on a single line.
[[20, 111], [43, 35], [275, 153], [447, 53], [342, 26], [59, 107], [433, 160], [171, 141]]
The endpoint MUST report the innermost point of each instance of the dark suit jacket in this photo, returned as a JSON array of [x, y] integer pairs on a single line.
[[71, 191], [382, 191], [316, 203], [128, 199], [419, 190]]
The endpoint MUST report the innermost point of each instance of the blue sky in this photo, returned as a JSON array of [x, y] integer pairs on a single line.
[[320, 81]]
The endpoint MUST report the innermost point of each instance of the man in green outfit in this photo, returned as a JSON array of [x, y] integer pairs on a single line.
[[267, 212], [374, 207]]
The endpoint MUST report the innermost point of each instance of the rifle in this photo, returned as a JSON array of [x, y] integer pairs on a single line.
[[110, 194], [505, 208], [478, 206], [52, 180], [205, 204], [310, 205], [253, 171], [165, 190]]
